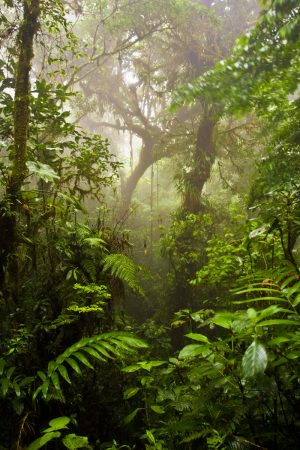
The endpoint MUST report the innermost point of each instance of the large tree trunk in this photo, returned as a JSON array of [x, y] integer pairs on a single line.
[[204, 158], [9, 206]]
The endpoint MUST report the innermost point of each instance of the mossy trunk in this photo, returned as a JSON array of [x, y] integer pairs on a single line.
[[203, 158], [10, 205]]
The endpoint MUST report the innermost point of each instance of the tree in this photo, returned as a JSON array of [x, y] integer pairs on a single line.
[[133, 86]]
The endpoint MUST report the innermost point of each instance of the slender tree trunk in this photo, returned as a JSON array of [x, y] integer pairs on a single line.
[[147, 157], [9, 206]]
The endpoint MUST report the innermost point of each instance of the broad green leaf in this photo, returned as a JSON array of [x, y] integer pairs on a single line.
[[40, 442], [148, 365], [72, 441], [224, 319], [131, 416], [42, 171], [197, 337], [255, 360], [130, 392], [157, 409], [59, 423], [192, 350], [132, 368]]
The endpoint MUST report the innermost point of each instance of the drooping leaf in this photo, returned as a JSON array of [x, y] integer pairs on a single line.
[[40, 442], [131, 416], [255, 360]]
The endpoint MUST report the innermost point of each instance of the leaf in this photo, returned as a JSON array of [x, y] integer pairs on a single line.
[[2, 365], [258, 231], [5, 386], [45, 387], [59, 422], [83, 359], [148, 365], [64, 373], [224, 319], [131, 416], [278, 322], [75, 366], [130, 392], [132, 368], [42, 171], [197, 337], [17, 388], [255, 360], [40, 442], [150, 437], [55, 381], [189, 351], [157, 409], [72, 441], [92, 352]]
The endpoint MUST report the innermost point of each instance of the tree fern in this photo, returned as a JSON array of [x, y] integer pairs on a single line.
[[102, 347], [122, 267]]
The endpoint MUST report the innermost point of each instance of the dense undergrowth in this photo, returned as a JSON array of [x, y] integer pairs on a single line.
[[196, 343]]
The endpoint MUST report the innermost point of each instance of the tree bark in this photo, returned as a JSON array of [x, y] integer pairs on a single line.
[[203, 159], [11, 202], [146, 158]]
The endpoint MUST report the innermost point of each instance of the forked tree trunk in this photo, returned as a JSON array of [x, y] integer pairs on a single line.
[[146, 158]]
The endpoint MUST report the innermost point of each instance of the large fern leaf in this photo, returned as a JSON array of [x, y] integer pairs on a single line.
[[122, 267], [102, 348]]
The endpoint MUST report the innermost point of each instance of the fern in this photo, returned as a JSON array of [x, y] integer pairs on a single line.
[[122, 267], [102, 347]]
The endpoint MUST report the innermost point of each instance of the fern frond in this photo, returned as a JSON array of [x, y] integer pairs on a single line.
[[122, 267], [102, 347]]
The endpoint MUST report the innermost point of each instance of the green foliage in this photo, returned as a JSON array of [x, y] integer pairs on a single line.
[[70, 441], [103, 348], [263, 69], [123, 268]]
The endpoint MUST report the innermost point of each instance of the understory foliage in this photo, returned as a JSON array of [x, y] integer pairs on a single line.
[[215, 366]]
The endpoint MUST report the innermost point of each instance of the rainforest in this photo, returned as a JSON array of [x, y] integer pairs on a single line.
[[149, 224]]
